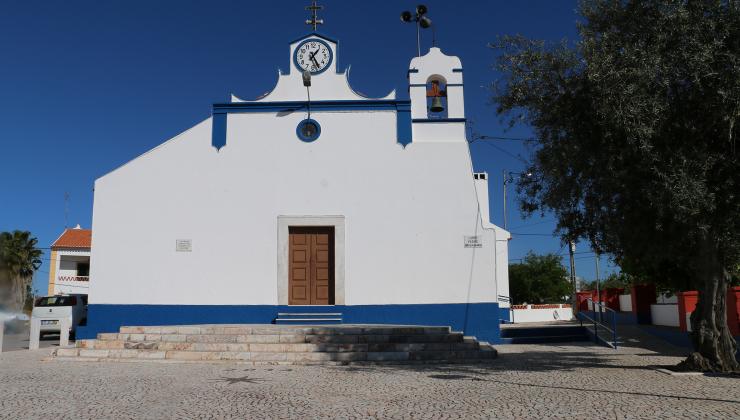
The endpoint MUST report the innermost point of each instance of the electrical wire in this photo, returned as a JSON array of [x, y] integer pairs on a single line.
[[533, 224], [504, 151], [486, 137]]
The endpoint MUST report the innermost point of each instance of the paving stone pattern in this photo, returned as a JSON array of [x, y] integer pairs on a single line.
[[571, 380]]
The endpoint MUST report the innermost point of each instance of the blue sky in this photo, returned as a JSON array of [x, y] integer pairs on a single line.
[[86, 86]]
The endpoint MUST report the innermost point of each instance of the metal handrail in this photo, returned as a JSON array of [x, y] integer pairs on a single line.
[[596, 323]]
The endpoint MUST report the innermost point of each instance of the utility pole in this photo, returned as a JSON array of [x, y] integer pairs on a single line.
[[571, 251], [598, 286], [66, 209], [503, 175], [508, 178]]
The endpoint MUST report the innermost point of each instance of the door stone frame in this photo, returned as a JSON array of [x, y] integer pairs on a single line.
[[283, 246]]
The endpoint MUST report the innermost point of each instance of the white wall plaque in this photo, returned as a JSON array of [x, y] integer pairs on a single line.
[[183, 245], [475, 241]]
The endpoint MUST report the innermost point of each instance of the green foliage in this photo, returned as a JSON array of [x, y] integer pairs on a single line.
[[19, 254], [615, 281], [636, 128], [19, 259], [539, 279]]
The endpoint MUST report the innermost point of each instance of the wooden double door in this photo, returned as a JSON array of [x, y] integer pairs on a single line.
[[311, 266]]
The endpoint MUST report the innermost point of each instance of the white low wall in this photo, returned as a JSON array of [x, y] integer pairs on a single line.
[[530, 314], [665, 314], [663, 298], [625, 303]]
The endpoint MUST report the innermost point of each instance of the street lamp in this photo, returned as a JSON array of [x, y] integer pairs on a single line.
[[421, 22], [508, 178]]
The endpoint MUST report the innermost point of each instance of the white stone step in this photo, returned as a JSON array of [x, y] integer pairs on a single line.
[[282, 344], [441, 356], [309, 320], [308, 314], [273, 347], [286, 338], [261, 329]]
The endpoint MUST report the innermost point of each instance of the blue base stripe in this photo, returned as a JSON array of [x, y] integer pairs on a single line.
[[477, 319]]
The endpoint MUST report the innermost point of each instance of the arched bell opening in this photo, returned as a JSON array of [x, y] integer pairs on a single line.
[[436, 97]]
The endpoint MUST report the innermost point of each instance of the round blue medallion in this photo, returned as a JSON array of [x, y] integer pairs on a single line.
[[308, 130]]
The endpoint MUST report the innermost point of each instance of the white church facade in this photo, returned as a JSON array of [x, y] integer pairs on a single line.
[[341, 209]]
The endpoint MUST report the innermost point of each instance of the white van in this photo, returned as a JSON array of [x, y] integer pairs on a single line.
[[51, 309]]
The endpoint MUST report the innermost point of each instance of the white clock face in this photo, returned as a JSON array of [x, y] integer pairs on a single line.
[[314, 56]]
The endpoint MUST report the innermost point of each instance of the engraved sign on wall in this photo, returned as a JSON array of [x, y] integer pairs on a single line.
[[183, 245], [475, 241]]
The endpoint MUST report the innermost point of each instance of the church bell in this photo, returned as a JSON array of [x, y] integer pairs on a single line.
[[437, 105], [436, 94]]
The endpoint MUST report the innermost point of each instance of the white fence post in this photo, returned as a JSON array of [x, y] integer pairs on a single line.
[[688, 321], [2, 333], [64, 332], [33, 339]]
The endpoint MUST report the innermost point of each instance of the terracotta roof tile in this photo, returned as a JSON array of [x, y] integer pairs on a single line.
[[74, 238]]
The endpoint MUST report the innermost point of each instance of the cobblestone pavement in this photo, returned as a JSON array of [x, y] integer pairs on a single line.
[[526, 381], [19, 341]]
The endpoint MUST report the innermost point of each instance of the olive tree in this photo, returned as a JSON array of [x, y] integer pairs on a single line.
[[636, 124]]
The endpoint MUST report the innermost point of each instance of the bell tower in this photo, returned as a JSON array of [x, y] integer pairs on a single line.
[[436, 91]]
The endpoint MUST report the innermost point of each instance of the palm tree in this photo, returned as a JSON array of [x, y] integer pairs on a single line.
[[19, 259]]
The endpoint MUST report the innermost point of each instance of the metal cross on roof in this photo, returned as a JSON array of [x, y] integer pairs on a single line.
[[314, 21]]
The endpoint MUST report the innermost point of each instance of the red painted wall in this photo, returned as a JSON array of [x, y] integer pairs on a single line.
[[581, 300], [610, 297], [687, 303], [733, 310], [643, 295]]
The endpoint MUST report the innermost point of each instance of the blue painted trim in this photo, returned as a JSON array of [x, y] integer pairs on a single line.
[[403, 124], [477, 319], [622, 318], [676, 337], [504, 315], [424, 85], [402, 108], [320, 41], [218, 137], [306, 138], [332, 105], [438, 120], [316, 34], [457, 70]]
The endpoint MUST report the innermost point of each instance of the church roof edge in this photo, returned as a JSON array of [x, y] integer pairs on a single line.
[[316, 34], [372, 104]]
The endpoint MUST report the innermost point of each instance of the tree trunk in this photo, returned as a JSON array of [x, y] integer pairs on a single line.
[[19, 292], [25, 281], [14, 295], [714, 345]]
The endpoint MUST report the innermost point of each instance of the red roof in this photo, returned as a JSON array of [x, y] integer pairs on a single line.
[[74, 238]]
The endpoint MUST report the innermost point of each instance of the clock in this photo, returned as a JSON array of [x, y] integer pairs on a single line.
[[313, 55]]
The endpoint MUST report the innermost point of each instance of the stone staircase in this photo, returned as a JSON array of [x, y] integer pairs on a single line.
[[283, 344], [312, 318]]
